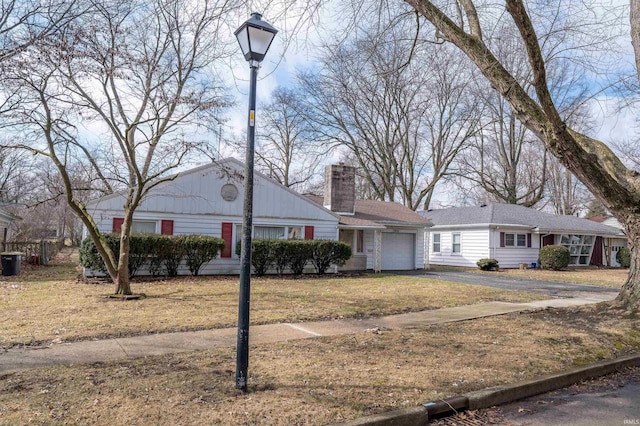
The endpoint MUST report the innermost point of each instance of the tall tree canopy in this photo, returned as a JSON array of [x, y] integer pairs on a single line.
[[463, 23]]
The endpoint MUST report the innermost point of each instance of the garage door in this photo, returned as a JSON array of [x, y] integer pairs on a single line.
[[398, 251]]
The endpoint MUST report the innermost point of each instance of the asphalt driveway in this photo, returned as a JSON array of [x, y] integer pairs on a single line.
[[550, 288]]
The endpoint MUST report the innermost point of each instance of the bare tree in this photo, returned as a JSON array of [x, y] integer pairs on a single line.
[[566, 194], [403, 120], [286, 149], [590, 160], [505, 161], [26, 22], [144, 73], [629, 150]]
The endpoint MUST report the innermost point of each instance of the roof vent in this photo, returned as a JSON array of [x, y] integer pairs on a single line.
[[483, 205]]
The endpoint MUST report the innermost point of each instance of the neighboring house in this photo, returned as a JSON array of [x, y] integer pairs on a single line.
[[6, 219], [611, 245], [512, 235], [384, 236], [208, 200]]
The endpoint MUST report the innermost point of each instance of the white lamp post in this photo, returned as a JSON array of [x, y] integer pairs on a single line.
[[255, 37]]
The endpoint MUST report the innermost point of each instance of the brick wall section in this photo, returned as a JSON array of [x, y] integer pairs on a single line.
[[340, 188]]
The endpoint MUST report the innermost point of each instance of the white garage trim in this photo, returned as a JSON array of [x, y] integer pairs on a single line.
[[398, 251]]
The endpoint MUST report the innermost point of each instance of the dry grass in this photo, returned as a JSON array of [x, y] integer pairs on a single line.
[[322, 380], [604, 277], [613, 277], [48, 303]]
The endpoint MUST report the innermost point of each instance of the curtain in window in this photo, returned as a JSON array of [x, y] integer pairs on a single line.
[[268, 232]]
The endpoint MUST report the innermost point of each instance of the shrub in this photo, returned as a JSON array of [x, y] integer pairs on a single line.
[[554, 257], [155, 250], [140, 245], [262, 255], [487, 264], [281, 252], [327, 252], [199, 250], [623, 256], [89, 256], [299, 252], [170, 251]]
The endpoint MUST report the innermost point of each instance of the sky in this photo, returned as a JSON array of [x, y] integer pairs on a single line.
[[279, 68]]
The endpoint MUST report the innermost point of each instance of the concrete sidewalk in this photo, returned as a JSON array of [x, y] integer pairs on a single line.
[[158, 344]]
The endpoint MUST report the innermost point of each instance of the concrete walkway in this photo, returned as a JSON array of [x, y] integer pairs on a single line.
[[158, 344]]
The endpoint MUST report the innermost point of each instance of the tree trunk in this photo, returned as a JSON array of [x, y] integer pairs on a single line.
[[121, 280], [630, 293]]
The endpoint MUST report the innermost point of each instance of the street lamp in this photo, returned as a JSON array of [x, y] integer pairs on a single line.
[[255, 37]]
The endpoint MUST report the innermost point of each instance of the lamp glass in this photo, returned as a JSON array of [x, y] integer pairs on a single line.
[[243, 39], [260, 40]]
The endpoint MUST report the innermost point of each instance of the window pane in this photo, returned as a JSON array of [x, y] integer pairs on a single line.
[[585, 250], [565, 239], [139, 226], [268, 232], [238, 238], [456, 243], [576, 239], [588, 239], [436, 238], [509, 240], [436, 247], [584, 260], [359, 241], [522, 240], [295, 233]]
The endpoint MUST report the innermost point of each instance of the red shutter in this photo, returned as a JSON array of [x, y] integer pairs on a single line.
[[117, 224], [166, 227], [308, 232], [502, 239], [227, 235], [529, 240]]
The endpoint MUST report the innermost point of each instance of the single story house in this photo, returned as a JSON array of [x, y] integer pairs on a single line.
[[512, 235], [208, 200], [611, 245], [384, 236]]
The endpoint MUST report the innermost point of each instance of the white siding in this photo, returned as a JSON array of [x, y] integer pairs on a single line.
[[198, 192], [474, 246], [511, 257]]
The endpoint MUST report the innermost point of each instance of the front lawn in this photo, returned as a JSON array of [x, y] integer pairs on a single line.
[[321, 380], [48, 304], [609, 277]]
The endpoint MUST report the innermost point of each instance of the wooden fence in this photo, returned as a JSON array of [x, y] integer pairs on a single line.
[[35, 252]]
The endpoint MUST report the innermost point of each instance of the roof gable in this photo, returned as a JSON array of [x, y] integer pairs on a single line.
[[200, 191]]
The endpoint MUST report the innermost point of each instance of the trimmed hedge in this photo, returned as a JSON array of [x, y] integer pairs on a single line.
[[199, 250], [555, 257], [295, 254], [487, 264], [326, 253], [623, 256], [162, 254]]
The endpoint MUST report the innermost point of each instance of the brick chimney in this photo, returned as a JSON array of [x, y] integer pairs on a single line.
[[340, 188]]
